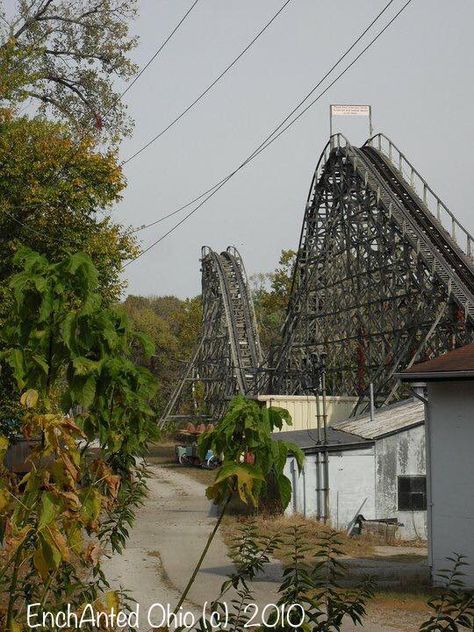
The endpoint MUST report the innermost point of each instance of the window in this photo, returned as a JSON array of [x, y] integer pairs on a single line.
[[411, 493]]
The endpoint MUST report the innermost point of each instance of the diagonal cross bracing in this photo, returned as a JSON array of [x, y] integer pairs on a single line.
[[379, 282]]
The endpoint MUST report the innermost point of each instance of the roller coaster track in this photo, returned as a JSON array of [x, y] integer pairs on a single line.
[[379, 282], [229, 352], [384, 277]]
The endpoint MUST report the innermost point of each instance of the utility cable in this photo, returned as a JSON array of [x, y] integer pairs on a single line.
[[265, 146], [114, 103], [210, 86], [275, 130], [155, 55]]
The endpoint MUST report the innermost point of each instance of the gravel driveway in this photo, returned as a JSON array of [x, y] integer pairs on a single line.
[[165, 544]]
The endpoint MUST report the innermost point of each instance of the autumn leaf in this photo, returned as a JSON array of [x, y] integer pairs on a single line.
[[50, 508], [241, 476], [29, 399]]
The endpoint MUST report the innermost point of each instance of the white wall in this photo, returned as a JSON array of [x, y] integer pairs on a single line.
[[400, 454], [352, 486], [351, 481], [451, 444]]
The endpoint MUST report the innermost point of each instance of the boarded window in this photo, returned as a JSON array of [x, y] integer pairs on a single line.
[[411, 493]]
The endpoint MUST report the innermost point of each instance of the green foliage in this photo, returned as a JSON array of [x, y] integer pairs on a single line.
[[67, 349], [64, 342], [250, 552], [132, 493], [51, 190], [174, 325], [66, 57], [453, 609], [310, 580], [271, 293], [244, 434]]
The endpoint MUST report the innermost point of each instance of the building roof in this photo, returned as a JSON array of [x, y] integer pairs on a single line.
[[454, 365], [307, 439], [387, 420]]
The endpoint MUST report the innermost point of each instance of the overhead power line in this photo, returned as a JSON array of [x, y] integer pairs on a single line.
[[278, 127], [265, 145], [210, 86], [155, 55]]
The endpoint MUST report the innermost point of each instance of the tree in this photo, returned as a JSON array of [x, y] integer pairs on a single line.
[[174, 326], [53, 194], [271, 292], [67, 348], [66, 56]]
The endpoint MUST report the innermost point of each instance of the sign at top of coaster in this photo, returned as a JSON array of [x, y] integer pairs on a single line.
[[350, 110]]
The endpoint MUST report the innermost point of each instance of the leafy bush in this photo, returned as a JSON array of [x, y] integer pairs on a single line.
[[69, 351], [249, 454], [453, 609], [311, 597]]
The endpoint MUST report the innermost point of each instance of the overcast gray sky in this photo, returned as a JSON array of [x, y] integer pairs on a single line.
[[418, 78]]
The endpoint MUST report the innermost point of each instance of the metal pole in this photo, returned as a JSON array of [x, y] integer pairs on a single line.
[[372, 402], [371, 131], [318, 365], [315, 384], [330, 121], [325, 426]]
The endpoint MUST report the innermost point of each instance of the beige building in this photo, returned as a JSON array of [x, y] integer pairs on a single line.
[[302, 409]]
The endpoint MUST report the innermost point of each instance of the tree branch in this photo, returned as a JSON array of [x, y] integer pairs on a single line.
[[70, 85], [35, 18]]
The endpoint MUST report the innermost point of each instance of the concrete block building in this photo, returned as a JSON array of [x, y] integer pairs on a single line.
[[449, 381], [375, 467]]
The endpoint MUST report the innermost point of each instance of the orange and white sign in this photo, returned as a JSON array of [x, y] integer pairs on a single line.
[[350, 110]]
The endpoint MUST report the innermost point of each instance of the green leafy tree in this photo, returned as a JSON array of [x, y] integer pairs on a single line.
[[68, 349], [53, 214], [66, 55], [250, 455], [62, 339], [174, 325], [271, 292], [243, 440]]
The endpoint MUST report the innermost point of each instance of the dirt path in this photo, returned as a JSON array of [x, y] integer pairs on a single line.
[[165, 544], [167, 540]]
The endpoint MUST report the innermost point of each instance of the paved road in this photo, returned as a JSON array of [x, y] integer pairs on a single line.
[[167, 540]]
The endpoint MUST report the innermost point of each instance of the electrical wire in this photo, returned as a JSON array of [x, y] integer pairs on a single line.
[[210, 86], [217, 187], [114, 103], [279, 126], [155, 55]]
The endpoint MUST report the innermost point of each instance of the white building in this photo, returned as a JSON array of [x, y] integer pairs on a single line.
[[376, 467], [450, 454]]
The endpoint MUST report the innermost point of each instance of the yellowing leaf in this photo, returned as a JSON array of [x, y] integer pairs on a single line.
[[4, 498], [50, 508], [91, 506], [3, 447], [40, 562], [29, 399], [240, 477], [57, 540], [112, 601]]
